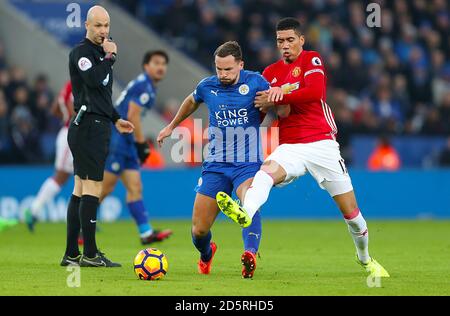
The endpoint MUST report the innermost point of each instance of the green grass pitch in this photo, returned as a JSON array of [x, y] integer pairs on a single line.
[[297, 258]]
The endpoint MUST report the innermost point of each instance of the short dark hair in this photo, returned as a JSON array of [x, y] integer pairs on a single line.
[[149, 55], [229, 48], [290, 24]]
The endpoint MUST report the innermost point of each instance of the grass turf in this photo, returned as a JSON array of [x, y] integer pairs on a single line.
[[297, 258]]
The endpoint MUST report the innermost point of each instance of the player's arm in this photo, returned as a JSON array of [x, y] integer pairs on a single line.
[[55, 110], [188, 107], [134, 116], [264, 105], [312, 91], [314, 87]]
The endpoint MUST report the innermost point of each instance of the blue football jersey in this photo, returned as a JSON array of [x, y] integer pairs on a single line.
[[142, 92], [233, 119]]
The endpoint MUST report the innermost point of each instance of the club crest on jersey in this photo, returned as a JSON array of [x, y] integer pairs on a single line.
[[296, 72], [115, 166], [144, 98], [316, 61], [244, 89]]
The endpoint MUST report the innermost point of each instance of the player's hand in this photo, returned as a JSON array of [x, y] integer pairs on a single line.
[[143, 150], [109, 46], [124, 127], [261, 101], [164, 133], [275, 94]]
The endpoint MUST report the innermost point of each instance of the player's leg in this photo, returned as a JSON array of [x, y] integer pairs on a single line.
[[93, 154], [280, 168], [251, 235], [354, 219], [131, 178], [48, 190], [52, 185], [89, 203], [270, 174], [205, 212], [203, 216], [109, 183], [357, 227], [72, 254], [326, 165]]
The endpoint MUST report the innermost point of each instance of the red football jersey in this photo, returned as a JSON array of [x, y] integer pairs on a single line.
[[304, 86], [65, 102]]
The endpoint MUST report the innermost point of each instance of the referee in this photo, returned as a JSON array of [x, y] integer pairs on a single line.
[[90, 66]]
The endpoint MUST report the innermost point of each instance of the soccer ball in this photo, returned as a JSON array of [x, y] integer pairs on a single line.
[[150, 264]]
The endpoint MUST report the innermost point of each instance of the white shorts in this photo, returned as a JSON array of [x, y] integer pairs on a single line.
[[64, 159], [321, 159]]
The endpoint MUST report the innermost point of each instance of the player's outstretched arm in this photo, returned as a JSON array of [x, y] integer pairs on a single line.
[[188, 107], [134, 116], [312, 91]]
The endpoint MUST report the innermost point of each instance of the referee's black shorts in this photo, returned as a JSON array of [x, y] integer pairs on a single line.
[[89, 144]]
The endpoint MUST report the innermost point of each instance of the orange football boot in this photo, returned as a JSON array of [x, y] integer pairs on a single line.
[[205, 267]]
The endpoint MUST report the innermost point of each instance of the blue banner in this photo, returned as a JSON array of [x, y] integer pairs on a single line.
[[170, 194], [63, 19]]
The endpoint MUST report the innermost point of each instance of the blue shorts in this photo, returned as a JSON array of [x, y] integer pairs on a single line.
[[226, 177], [117, 162]]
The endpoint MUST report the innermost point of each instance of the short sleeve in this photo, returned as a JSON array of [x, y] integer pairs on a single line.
[[198, 93], [140, 96], [263, 84]]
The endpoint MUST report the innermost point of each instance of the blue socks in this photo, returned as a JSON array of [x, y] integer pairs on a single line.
[[138, 212], [203, 245], [252, 234]]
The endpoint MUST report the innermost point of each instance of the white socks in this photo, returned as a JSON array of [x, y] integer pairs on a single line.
[[258, 192], [360, 234], [47, 192]]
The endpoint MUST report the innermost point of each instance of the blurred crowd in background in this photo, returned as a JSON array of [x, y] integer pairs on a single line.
[[27, 127], [391, 80]]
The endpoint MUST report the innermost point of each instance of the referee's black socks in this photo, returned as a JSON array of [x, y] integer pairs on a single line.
[[73, 226], [88, 216]]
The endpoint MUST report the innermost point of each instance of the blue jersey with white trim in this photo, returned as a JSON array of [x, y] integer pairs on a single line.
[[143, 93], [233, 119]]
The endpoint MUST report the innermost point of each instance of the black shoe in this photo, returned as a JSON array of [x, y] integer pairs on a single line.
[[98, 261], [70, 261], [156, 236]]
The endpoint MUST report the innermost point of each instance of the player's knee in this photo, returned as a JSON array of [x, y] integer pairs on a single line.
[[274, 170], [198, 231], [93, 188], [134, 191], [61, 177], [346, 202]]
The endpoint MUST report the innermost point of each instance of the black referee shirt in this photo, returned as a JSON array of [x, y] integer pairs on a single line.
[[92, 78]]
